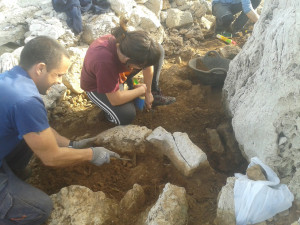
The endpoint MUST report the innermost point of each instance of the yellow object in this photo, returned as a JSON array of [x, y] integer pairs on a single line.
[[227, 40]]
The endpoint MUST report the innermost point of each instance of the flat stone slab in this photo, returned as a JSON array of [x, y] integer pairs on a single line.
[[184, 154], [129, 138]]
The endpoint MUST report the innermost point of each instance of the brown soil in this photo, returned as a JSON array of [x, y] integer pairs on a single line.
[[197, 107], [200, 65]]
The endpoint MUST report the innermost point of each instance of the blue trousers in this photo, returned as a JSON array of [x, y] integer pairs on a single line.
[[21, 203], [224, 13]]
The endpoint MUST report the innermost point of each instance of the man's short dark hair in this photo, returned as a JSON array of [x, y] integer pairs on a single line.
[[42, 49]]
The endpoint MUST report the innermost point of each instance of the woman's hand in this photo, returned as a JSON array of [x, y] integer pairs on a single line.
[[148, 100], [148, 95], [141, 86]]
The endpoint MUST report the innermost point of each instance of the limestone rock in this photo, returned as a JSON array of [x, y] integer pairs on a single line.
[[166, 5], [294, 187], [51, 27], [78, 205], [155, 6], [297, 222], [72, 78], [7, 61], [130, 138], [205, 23], [142, 18], [141, 1], [198, 9], [12, 26], [170, 208], [177, 18], [261, 90], [122, 6], [96, 26], [256, 173], [215, 141], [184, 154], [133, 200], [225, 210], [54, 95]]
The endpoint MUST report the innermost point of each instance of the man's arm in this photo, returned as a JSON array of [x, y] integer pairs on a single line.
[[253, 16], [249, 10], [44, 145], [61, 141]]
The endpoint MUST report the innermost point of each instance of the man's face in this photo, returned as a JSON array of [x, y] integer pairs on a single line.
[[49, 78]]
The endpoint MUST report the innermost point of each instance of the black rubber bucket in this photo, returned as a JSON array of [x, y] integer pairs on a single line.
[[215, 71]]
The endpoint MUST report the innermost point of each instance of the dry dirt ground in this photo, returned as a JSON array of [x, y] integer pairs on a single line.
[[197, 107]]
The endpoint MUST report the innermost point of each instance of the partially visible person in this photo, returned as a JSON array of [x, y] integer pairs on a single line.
[[24, 130], [116, 58], [224, 11]]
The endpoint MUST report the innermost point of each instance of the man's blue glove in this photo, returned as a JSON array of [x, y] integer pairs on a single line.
[[101, 155]]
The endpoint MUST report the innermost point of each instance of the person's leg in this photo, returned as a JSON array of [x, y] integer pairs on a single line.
[[20, 203], [159, 98], [242, 19], [224, 16], [120, 115], [157, 69], [240, 22]]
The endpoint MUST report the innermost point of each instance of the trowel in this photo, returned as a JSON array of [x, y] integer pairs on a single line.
[[120, 158]]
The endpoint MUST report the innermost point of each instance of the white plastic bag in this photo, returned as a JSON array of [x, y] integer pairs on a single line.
[[256, 201]]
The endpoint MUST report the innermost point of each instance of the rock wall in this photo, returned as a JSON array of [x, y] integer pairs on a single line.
[[262, 94]]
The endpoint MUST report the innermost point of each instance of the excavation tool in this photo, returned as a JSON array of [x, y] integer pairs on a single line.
[[120, 158], [227, 40]]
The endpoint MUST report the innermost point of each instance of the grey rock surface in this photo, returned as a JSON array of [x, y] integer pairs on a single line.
[[184, 154], [261, 91], [225, 210], [130, 138], [79, 205], [170, 208]]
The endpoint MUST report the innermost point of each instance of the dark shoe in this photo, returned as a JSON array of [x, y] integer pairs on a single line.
[[160, 99], [23, 174]]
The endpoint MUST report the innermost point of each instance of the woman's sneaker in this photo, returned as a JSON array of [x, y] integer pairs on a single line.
[[160, 99]]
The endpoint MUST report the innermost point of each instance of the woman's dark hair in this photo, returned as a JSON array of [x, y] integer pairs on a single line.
[[42, 49], [138, 46]]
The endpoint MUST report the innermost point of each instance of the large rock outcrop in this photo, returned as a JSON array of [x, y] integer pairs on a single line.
[[262, 93]]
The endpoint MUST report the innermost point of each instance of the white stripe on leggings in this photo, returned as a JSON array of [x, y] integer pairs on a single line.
[[108, 110]]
